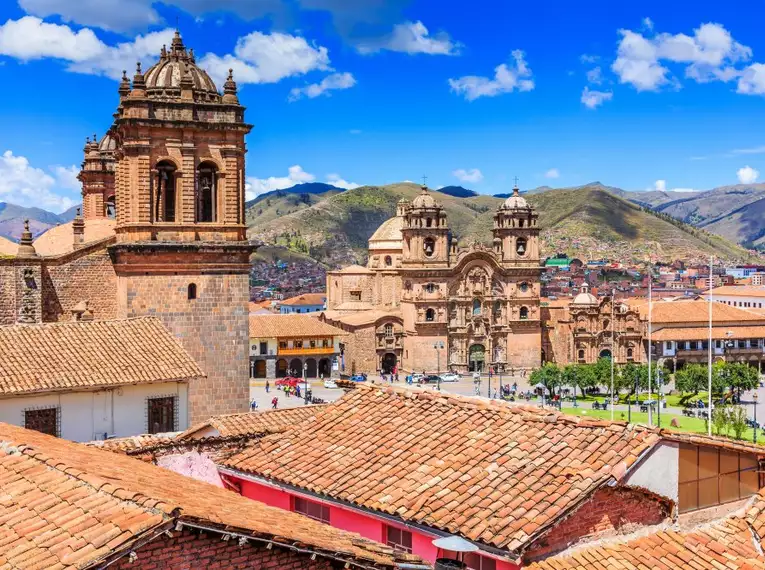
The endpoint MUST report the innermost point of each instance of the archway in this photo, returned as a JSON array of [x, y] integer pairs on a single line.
[[166, 191], [325, 368], [477, 357], [311, 368], [110, 208], [260, 369], [605, 353], [206, 192], [388, 363], [281, 368], [296, 367]]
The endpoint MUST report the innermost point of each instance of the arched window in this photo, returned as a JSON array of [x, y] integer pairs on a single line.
[[476, 306], [520, 246], [429, 247], [524, 313], [388, 260], [388, 329], [581, 354], [430, 315], [206, 192], [430, 288], [428, 222], [629, 354], [110, 208], [166, 195], [192, 291], [520, 223]]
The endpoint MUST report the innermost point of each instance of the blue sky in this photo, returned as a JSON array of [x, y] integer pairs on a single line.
[[636, 95]]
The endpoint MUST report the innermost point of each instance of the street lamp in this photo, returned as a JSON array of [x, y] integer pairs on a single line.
[[438, 346], [305, 382], [660, 390], [754, 435]]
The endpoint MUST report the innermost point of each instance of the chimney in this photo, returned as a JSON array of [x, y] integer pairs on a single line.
[[78, 230]]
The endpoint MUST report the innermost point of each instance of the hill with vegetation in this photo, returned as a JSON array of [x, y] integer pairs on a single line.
[[588, 222]]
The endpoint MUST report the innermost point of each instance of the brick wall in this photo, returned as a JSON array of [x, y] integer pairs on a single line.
[[360, 350], [191, 551], [608, 512], [213, 328]]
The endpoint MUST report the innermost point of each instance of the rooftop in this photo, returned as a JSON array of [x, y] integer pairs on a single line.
[[306, 299], [389, 230], [250, 423], [290, 326], [8, 247], [60, 239], [693, 311], [81, 355], [739, 291], [486, 470], [67, 505]]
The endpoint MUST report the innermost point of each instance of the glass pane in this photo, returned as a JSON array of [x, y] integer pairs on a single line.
[[728, 487], [748, 461], [707, 462], [728, 462], [688, 463], [750, 483], [708, 494], [688, 496], [406, 539]]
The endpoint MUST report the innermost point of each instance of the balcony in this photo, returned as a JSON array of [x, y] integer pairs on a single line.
[[306, 350]]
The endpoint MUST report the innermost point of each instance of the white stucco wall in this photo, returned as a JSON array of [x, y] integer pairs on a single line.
[[658, 472], [119, 411], [273, 346]]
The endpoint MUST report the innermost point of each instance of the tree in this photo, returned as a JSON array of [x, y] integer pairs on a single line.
[[692, 378], [737, 420], [602, 371], [633, 377], [740, 376], [549, 376], [580, 376]]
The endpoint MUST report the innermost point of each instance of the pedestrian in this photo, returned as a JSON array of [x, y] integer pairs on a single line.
[[274, 402], [297, 391], [268, 386]]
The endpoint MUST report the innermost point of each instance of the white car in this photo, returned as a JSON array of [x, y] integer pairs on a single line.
[[450, 377], [417, 378], [329, 383]]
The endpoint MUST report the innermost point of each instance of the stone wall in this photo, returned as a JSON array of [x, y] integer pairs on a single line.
[[360, 354], [202, 551], [213, 328]]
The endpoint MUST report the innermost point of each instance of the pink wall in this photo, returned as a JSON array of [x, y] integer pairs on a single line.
[[368, 527], [265, 494]]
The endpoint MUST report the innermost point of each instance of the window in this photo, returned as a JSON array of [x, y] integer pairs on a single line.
[[165, 195], [430, 315], [206, 192], [581, 354], [298, 344], [192, 291], [476, 562], [398, 539], [263, 348], [161, 412], [111, 208], [430, 288], [44, 420], [388, 260], [710, 476], [311, 509], [355, 295], [476, 306], [388, 330], [606, 324], [429, 247], [668, 345], [524, 287], [520, 246], [524, 313], [428, 222], [282, 344], [629, 354], [313, 344], [325, 343]]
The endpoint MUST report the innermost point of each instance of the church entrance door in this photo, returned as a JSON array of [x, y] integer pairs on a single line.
[[477, 358], [388, 363]]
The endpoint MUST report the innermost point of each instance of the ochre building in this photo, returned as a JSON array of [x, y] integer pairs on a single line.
[[162, 231], [423, 303]]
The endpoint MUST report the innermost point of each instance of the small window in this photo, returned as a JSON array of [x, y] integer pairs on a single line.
[[311, 509], [313, 344], [388, 329], [161, 414], [282, 344], [430, 315], [524, 287], [388, 260], [430, 288], [398, 539], [355, 295], [520, 246], [192, 291], [428, 223], [524, 313], [475, 561], [581, 354], [429, 247], [263, 348], [629, 354], [44, 420], [298, 344], [476, 307]]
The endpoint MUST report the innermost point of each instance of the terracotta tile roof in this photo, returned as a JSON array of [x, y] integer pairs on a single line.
[[8, 247], [739, 291], [702, 333], [133, 442], [67, 505], [60, 239], [489, 471], [306, 299], [713, 440], [76, 355], [693, 311], [248, 423], [354, 269], [290, 326], [361, 318]]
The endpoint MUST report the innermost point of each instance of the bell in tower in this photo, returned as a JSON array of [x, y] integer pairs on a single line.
[[515, 226], [425, 232]]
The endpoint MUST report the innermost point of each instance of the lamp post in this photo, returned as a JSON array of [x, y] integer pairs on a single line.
[[660, 391], [438, 346], [754, 435], [489, 381], [305, 383]]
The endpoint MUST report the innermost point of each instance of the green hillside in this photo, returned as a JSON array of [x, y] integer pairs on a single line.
[[584, 222]]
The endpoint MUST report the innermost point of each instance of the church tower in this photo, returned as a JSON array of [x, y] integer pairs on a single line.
[[425, 233], [181, 251], [97, 177], [516, 233]]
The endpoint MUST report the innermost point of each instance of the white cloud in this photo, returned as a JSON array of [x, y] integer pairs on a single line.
[[595, 76], [296, 175], [329, 83], [750, 150], [552, 173], [119, 15], [587, 58], [710, 55], [660, 185], [267, 58], [30, 38], [647, 24], [337, 181], [506, 80], [747, 175], [472, 175], [25, 185], [412, 38], [67, 177], [593, 99], [752, 80]]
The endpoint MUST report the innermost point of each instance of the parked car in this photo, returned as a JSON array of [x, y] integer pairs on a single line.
[[430, 379], [450, 377], [330, 383], [415, 378], [290, 381], [359, 377]]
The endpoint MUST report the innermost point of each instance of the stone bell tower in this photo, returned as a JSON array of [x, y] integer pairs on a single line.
[[516, 233], [97, 177], [181, 250], [425, 233]]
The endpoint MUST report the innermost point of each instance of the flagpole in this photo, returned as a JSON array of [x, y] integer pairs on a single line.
[[650, 345], [613, 351], [709, 371]]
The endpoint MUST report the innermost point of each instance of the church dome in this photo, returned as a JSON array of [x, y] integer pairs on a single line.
[[424, 200], [515, 201], [175, 66], [584, 297], [107, 144]]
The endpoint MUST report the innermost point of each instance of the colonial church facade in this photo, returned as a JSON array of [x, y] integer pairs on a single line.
[[162, 230], [423, 303]]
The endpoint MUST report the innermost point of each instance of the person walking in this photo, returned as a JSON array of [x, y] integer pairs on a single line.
[[268, 386], [274, 402]]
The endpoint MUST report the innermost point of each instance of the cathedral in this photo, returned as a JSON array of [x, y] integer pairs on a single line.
[[422, 303], [162, 230]]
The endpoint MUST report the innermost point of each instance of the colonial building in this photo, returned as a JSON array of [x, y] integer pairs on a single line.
[[427, 304], [162, 231]]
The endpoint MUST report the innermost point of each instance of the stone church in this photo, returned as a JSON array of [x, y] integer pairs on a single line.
[[424, 303], [162, 230]]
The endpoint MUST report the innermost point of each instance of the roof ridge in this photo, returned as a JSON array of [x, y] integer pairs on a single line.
[[94, 322]]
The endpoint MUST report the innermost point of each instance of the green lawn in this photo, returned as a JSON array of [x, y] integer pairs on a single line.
[[684, 423]]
